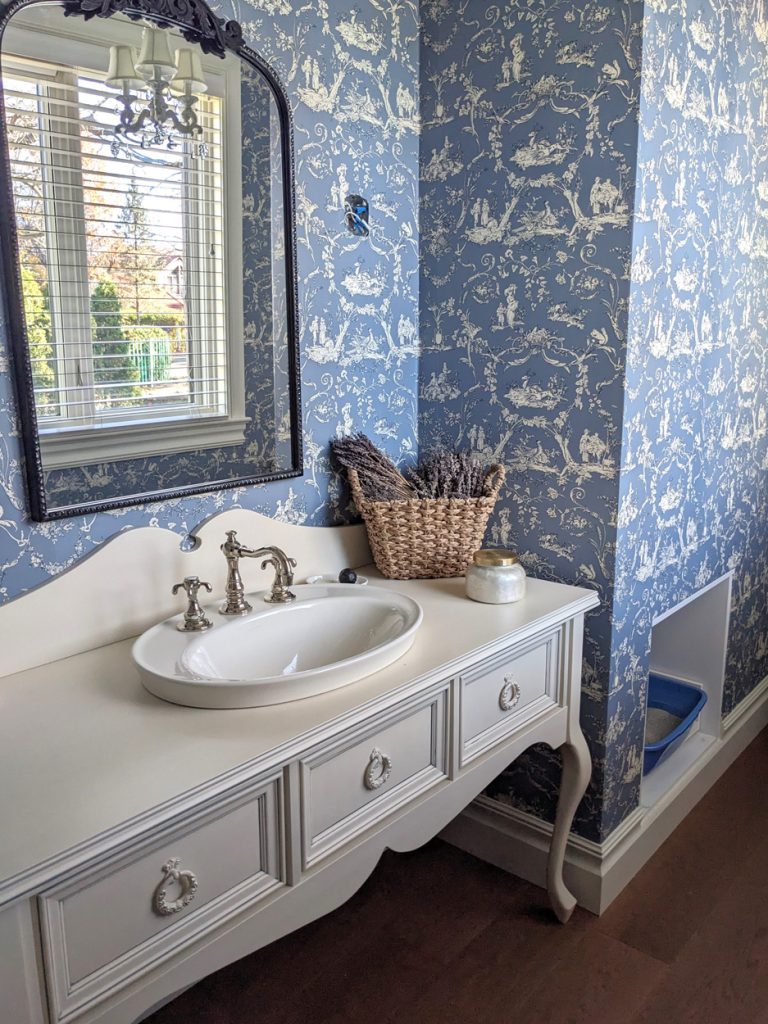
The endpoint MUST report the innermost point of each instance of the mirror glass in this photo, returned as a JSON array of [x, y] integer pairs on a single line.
[[152, 238]]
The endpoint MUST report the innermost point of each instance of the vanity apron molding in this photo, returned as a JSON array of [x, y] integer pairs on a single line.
[[151, 844]]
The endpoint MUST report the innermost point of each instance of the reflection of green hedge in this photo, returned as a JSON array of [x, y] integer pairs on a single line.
[[150, 353], [110, 349], [38, 321]]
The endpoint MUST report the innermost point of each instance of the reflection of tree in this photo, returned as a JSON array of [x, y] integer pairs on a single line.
[[22, 124], [37, 316], [27, 142], [132, 258]]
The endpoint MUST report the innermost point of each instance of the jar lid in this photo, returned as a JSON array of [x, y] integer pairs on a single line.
[[495, 556]]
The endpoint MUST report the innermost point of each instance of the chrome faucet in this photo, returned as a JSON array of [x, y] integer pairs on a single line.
[[280, 593]]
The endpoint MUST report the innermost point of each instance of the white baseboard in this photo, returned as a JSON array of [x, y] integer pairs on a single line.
[[597, 872]]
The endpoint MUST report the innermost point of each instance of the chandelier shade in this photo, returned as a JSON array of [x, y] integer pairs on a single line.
[[122, 69], [155, 57], [189, 72]]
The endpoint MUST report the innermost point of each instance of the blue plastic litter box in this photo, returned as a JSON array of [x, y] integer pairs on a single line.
[[679, 704]]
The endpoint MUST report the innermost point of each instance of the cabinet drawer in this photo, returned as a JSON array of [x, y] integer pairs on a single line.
[[109, 925], [507, 691], [348, 785]]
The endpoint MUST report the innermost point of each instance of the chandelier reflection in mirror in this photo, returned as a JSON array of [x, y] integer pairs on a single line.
[[158, 91]]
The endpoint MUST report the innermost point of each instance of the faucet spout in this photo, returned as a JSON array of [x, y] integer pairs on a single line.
[[233, 551], [283, 566]]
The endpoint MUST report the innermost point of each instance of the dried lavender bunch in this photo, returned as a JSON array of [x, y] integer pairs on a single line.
[[443, 473], [380, 479]]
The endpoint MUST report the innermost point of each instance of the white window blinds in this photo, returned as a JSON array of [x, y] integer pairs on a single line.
[[122, 254]]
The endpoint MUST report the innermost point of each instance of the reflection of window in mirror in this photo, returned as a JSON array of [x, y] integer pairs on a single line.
[[134, 324]]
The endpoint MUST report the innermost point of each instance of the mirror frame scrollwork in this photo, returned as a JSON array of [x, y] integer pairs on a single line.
[[198, 24]]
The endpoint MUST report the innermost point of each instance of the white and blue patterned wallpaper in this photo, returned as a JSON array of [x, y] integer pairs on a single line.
[[694, 480], [607, 344], [351, 74], [528, 146]]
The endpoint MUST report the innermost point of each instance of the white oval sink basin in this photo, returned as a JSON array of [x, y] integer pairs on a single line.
[[330, 636]]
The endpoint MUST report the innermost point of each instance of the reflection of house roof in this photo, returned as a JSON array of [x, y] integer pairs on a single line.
[[171, 262]]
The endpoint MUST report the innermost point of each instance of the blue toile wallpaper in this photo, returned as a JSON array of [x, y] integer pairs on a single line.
[[593, 313], [528, 152], [694, 480], [352, 77]]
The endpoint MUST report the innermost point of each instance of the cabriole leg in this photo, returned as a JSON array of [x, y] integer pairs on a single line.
[[577, 770]]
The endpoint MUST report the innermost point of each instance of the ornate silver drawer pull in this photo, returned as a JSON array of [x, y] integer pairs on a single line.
[[378, 770], [186, 881], [510, 694]]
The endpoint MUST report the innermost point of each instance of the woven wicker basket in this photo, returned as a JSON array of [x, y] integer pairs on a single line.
[[425, 538]]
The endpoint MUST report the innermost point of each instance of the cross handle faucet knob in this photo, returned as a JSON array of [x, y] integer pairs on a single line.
[[195, 620]]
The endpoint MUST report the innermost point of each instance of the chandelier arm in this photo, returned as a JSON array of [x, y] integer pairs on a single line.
[[161, 112], [129, 125], [188, 117], [158, 113]]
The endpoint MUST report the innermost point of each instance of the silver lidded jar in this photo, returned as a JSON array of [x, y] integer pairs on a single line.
[[495, 577]]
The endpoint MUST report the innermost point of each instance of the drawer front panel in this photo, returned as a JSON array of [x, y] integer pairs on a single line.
[[110, 925], [348, 786], [507, 691]]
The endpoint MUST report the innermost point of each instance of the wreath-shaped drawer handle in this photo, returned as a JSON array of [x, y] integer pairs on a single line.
[[510, 694], [187, 883], [378, 770]]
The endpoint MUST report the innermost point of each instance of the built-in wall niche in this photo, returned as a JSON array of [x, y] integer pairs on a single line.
[[689, 642]]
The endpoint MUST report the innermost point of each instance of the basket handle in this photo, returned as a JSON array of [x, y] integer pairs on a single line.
[[494, 479], [357, 491]]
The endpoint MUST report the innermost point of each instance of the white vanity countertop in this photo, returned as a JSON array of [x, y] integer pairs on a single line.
[[83, 747]]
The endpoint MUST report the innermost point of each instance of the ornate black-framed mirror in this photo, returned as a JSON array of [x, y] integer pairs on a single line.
[[147, 226]]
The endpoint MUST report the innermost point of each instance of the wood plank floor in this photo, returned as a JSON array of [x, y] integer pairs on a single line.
[[437, 937]]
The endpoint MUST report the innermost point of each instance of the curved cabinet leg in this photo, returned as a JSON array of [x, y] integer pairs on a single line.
[[577, 770]]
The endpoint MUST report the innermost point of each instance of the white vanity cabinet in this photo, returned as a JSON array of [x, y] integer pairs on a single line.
[[150, 844]]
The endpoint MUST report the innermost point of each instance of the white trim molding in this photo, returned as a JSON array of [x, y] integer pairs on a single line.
[[63, 447], [597, 872]]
